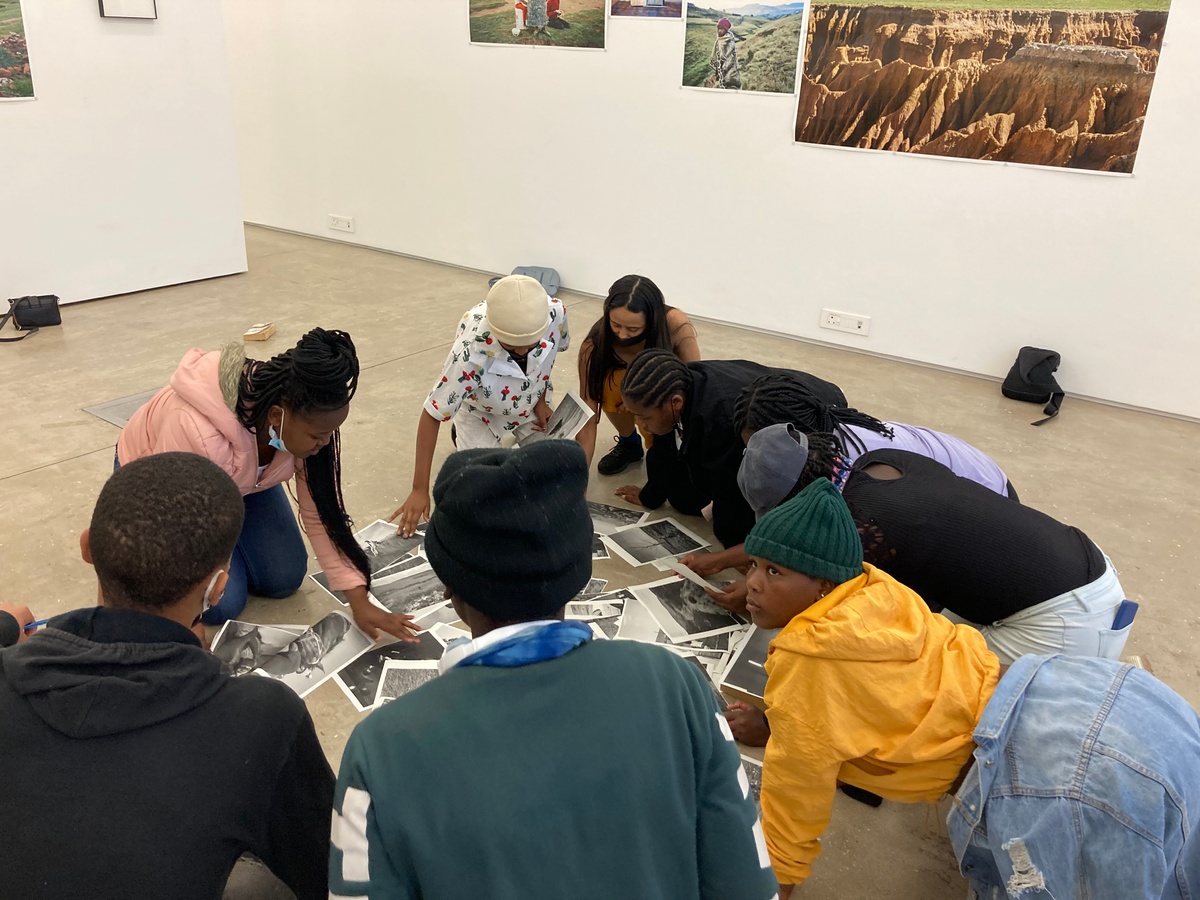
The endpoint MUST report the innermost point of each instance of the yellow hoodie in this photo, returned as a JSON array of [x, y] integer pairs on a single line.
[[868, 687]]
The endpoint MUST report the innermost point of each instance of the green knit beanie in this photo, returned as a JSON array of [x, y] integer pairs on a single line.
[[812, 533]]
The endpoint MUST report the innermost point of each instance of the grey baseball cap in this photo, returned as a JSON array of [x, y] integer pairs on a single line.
[[771, 466]]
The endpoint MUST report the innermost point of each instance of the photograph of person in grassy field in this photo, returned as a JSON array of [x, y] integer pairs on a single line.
[[540, 23], [749, 47], [1064, 84], [16, 82]]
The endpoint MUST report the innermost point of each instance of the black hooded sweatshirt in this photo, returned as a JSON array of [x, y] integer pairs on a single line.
[[134, 767]]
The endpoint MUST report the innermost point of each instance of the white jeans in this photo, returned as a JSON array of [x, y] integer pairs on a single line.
[[473, 433], [1077, 623]]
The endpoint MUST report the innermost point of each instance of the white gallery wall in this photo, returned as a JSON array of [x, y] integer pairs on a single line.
[[122, 174], [599, 164]]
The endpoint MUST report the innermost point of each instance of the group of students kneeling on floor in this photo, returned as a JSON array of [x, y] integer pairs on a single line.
[[935, 636]]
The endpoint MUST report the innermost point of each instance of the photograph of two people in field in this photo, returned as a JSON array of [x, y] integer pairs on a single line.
[[16, 81]]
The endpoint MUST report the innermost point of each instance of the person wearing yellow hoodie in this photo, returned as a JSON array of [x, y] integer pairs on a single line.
[[865, 685], [1072, 776]]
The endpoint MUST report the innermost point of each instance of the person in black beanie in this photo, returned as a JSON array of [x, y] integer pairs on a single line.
[[539, 757]]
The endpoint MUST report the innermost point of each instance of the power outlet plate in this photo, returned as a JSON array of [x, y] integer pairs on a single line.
[[341, 223], [854, 323]]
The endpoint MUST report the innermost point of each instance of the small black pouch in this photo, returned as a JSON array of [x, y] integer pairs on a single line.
[[30, 314], [1031, 379]]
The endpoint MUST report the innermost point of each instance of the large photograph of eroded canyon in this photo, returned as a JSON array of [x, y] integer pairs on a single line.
[[1066, 88]]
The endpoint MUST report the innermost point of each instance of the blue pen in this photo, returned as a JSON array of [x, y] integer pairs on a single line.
[[33, 625]]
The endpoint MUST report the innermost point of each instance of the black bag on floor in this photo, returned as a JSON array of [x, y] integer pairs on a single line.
[[1031, 379], [30, 314]]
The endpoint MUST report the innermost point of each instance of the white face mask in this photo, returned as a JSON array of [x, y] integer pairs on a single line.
[[207, 603], [276, 438]]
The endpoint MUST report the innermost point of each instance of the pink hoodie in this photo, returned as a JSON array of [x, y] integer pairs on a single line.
[[191, 415]]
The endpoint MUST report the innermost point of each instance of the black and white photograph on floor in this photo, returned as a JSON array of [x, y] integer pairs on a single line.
[[401, 676], [444, 633], [745, 675], [638, 625], [384, 546], [640, 545], [606, 519], [593, 609], [409, 592], [301, 661], [683, 610], [599, 549], [594, 588], [568, 420], [360, 679], [443, 613], [402, 565]]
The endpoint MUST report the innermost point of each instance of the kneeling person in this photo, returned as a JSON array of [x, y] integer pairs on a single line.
[[136, 767], [1073, 771], [540, 763]]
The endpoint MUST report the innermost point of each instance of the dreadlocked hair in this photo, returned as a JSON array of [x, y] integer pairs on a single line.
[[637, 294], [824, 460], [319, 374], [778, 399], [654, 377]]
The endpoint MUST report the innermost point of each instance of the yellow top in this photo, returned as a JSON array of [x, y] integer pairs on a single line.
[[868, 687]]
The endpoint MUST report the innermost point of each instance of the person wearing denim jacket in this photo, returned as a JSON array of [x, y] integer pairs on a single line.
[[1086, 783]]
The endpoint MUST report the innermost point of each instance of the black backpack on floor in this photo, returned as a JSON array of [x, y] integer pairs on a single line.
[[1031, 379]]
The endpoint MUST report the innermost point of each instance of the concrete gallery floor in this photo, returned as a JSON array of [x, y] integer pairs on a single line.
[[1126, 478]]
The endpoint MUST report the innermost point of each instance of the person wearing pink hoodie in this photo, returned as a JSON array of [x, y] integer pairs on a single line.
[[265, 423]]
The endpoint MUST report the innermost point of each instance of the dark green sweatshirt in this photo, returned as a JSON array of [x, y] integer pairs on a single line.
[[606, 773]]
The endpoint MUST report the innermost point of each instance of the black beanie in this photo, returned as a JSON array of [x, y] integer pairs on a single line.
[[511, 534]]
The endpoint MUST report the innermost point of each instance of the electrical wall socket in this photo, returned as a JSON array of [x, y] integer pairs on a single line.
[[844, 321], [341, 223]]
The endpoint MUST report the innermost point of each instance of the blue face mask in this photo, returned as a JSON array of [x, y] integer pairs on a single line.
[[277, 441]]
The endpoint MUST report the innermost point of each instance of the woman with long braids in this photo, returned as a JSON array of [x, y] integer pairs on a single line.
[[635, 318], [689, 407], [265, 423]]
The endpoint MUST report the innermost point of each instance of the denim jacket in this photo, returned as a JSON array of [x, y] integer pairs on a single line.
[[1086, 775]]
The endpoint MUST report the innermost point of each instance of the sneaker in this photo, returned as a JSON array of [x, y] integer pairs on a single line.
[[620, 457]]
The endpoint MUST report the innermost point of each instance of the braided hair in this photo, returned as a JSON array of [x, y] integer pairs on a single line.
[[777, 399], [638, 295], [654, 377], [319, 374]]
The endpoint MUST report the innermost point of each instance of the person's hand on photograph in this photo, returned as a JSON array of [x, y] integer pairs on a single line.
[[414, 511], [376, 622], [732, 599], [748, 724], [703, 564], [373, 620], [542, 412], [630, 493], [24, 617]]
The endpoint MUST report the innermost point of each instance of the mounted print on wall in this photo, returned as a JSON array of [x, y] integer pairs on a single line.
[[647, 9], [578, 24], [749, 47], [1064, 87], [128, 9], [16, 80]]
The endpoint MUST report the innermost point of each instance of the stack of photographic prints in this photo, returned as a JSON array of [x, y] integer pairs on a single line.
[[300, 657], [568, 420]]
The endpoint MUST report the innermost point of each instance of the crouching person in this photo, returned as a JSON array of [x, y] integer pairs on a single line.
[[1076, 774], [135, 767], [540, 763]]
